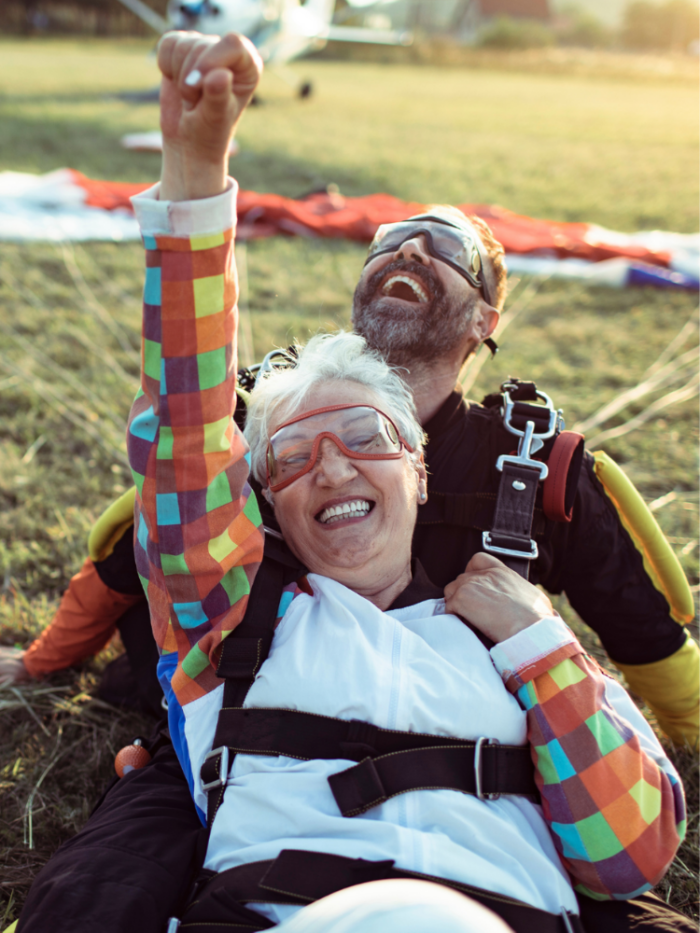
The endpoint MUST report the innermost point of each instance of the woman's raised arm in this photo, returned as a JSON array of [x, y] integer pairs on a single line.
[[198, 530]]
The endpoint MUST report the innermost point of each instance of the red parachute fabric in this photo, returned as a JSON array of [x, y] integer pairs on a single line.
[[109, 195], [329, 214]]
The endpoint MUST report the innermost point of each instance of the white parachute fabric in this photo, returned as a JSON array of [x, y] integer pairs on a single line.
[[52, 208]]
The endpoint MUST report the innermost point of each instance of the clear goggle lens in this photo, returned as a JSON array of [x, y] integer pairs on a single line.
[[359, 431], [452, 245]]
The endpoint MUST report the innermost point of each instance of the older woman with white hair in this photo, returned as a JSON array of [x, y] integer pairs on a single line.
[[365, 762], [345, 391]]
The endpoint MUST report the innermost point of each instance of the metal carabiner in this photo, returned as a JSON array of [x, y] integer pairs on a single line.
[[536, 439], [275, 359]]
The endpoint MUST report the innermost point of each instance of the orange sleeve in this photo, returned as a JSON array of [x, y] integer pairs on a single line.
[[84, 623]]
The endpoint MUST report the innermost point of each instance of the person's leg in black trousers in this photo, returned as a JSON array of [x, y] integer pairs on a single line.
[[132, 865]]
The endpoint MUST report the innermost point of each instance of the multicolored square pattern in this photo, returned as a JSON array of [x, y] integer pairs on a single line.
[[199, 538], [616, 815]]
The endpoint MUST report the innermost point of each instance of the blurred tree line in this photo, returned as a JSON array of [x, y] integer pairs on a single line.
[[97, 17], [671, 25]]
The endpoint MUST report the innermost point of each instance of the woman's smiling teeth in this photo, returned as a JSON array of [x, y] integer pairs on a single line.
[[395, 287], [357, 508]]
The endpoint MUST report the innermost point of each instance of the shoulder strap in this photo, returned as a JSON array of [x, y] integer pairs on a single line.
[[510, 538], [245, 650], [465, 509], [564, 453], [247, 647]]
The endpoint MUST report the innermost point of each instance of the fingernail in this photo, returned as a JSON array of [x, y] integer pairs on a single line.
[[193, 78]]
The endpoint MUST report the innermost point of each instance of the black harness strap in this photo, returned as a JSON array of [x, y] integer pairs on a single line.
[[510, 519], [307, 736], [243, 653], [512, 523], [510, 538], [471, 510], [484, 770], [300, 877], [522, 412], [390, 762]]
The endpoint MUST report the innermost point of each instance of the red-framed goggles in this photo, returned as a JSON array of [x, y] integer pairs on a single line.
[[458, 246], [361, 432]]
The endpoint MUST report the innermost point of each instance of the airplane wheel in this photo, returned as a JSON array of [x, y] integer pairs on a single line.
[[306, 90]]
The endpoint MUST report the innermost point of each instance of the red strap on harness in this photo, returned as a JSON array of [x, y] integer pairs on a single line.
[[554, 487]]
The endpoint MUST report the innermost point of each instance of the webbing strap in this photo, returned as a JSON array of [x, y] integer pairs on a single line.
[[522, 413], [511, 533], [307, 736], [300, 877], [510, 537], [497, 770], [390, 762]]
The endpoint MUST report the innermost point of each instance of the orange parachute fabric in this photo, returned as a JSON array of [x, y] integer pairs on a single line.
[[329, 214]]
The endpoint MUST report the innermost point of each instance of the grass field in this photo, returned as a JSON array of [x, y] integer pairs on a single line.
[[620, 153]]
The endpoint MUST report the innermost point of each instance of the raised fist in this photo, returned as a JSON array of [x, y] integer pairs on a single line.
[[207, 84]]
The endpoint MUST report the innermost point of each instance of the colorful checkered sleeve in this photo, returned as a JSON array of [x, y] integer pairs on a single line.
[[199, 537], [613, 801]]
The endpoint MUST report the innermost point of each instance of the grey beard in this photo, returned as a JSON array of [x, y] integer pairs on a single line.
[[415, 335]]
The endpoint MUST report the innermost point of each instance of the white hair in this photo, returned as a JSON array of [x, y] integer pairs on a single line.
[[327, 358]]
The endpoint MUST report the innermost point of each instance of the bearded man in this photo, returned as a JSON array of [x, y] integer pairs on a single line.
[[430, 293]]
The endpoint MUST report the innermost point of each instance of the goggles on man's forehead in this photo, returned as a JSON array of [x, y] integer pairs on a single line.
[[458, 246], [361, 432]]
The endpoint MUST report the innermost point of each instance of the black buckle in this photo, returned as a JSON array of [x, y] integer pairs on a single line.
[[223, 753], [478, 762], [360, 740]]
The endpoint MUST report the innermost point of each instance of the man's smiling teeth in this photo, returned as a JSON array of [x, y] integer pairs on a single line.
[[355, 509], [395, 279]]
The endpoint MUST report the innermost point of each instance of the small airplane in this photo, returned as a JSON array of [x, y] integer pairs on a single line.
[[281, 30]]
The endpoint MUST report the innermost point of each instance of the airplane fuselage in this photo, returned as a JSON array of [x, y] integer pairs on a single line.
[[281, 30]]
